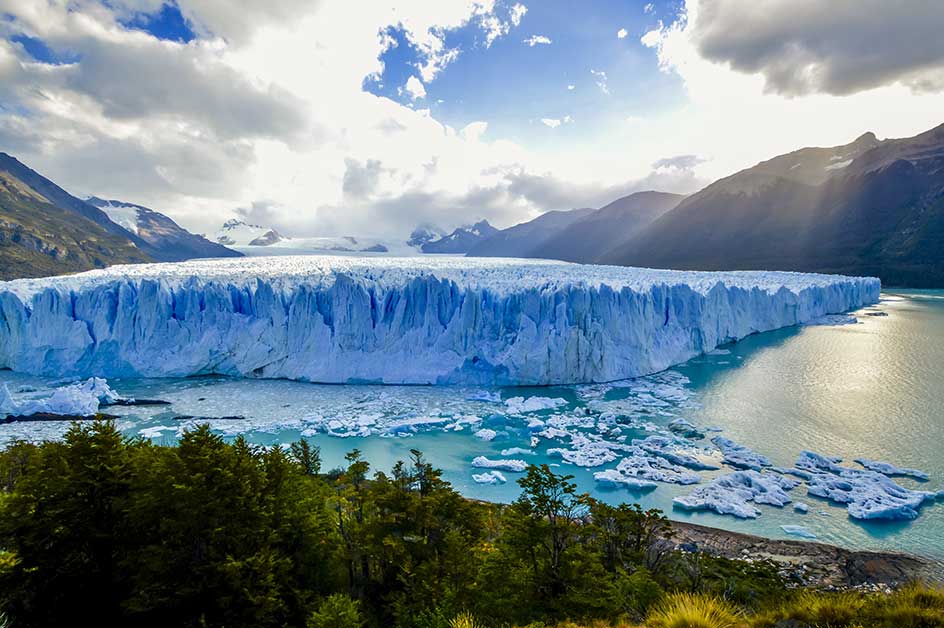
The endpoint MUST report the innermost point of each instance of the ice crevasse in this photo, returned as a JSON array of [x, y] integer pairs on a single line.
[[398, 320]]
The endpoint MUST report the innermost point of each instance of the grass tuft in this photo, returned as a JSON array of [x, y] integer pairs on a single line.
[[687, 610]]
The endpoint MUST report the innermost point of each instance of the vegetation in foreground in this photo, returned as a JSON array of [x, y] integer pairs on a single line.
[[102, 530]]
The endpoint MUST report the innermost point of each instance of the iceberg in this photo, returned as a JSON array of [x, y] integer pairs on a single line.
[[886, 468], [80, 399], [640, 465], [798, 531], [515, 466], [739, 456], [867, 494], [391, 320], [489, 477], [735, 493]]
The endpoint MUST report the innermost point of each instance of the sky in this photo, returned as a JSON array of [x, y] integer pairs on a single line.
[[335, 117]]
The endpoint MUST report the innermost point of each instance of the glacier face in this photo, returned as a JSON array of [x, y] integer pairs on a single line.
[[398, 320]]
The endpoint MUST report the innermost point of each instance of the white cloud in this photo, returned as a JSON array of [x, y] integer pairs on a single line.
[[556, 122], [571, 88], [600, 77], [622, 33], [735, 118], [649, 8], [414, 87], [534, 40], [517, 13], [803, 47]]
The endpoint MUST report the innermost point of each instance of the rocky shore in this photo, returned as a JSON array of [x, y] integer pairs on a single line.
[[811, 563]]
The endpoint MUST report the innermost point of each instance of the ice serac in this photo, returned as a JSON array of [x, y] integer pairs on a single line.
[[398, 320]]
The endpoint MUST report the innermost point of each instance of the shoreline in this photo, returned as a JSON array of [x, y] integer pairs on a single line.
[[814, 563]]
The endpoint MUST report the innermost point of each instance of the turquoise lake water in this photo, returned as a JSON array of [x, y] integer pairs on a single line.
[[874, 389]]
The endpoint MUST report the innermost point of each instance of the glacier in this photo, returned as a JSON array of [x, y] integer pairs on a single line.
[[386, 320]]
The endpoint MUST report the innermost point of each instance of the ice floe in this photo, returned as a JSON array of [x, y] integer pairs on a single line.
[[79, 399], [739, 456], [867, 494], [516, 466], [736, 493], [489, 477]]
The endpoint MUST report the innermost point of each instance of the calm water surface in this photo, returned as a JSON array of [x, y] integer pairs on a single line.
[[874, 389]]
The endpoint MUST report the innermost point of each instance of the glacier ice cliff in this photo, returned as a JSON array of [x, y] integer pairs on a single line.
[[398, 320]]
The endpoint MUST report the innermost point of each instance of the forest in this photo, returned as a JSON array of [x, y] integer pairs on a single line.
[[103, 530]]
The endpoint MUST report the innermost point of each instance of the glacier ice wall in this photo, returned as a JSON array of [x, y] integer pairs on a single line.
[[409, 320]]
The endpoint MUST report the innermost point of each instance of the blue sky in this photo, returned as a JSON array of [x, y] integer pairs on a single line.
[[514, 85], [296, 113]]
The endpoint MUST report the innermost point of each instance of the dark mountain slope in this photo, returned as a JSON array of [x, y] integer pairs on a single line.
[[876, 209], [38, 238], [521, 239], [587, 239]]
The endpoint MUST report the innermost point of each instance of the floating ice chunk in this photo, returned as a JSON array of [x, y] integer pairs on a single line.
[[485, 395], [612, 477], [156, 431], [886, 468], [735, 493], [798, 531], [520, 405], [586, 451], [739, 456], [867, 494], [674, 450], [719, 352], [801, 508], [489, 477], [486, 434], [79, 399], [685, 429], [517, 451], [516, 466], [398, 320], [640, 465]]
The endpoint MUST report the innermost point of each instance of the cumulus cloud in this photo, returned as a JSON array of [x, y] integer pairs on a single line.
[[535, 40], [622, 33], [807, 46], [414, 87]]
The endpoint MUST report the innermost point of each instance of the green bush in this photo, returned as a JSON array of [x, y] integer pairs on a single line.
[[337, 611]]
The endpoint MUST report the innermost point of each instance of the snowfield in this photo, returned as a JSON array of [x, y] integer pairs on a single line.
[[398, 320]]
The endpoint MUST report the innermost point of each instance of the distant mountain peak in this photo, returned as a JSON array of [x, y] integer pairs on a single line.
[[461, 240]]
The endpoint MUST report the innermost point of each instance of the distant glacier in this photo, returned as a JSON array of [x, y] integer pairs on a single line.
[[398, 320]]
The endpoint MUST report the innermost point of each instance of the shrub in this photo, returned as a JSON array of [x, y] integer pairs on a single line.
[[337, 611]]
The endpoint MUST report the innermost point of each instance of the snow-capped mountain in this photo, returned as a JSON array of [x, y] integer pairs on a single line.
[[256, 240], [238, 233], [462, 239], [167, 240], [424, 234]]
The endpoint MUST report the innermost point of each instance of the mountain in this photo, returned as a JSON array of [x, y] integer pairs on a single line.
[[171, 242], [40, 238], [462, 239], [238, 233], [522, 239], [424, 234], [609, 226], [871, 207]]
